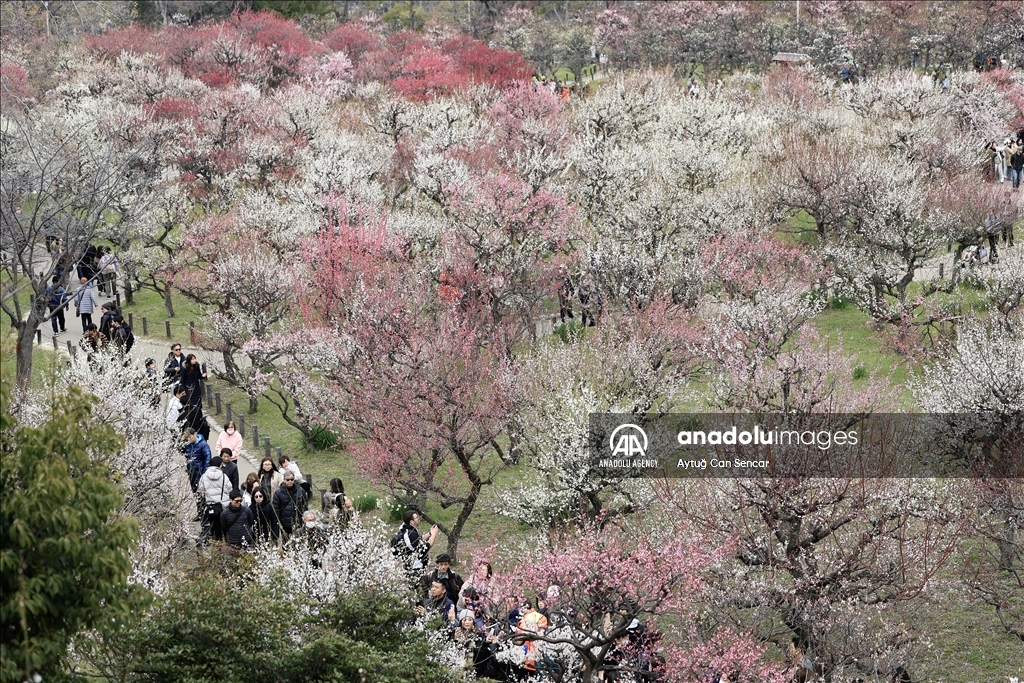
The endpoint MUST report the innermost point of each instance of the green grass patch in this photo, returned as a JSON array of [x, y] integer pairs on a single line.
[[852, 328]]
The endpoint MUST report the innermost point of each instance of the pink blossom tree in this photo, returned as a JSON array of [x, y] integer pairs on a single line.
[[610, 579]]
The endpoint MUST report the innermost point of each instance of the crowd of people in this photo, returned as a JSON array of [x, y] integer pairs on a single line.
[[1007, 160], [272, 503], [466, 610]]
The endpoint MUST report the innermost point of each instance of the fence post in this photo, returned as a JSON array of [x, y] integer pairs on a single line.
[[942, 271], [255, 436], [279, 452], [54, 342], [167, 325], [266, 446], [145, 325], [73, 350], [209, 393], [241, 425], [131, 321], [117, 297], [216, 401], [39, 337]]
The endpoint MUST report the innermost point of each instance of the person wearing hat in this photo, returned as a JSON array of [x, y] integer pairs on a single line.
[[443, 573]]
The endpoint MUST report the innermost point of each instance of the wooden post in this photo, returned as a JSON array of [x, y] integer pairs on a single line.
[[145, 325], [216, 401], [209, 393], [255, 436], [73, 350], [241, 424], [228, 418], [39, 337], [167, 326], [279, 453], [117, 297], [131, 321], [266, 446], [942, 271], [54, 342]]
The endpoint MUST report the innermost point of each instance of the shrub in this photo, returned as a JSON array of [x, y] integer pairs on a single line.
[[366, 503], [325, 439]]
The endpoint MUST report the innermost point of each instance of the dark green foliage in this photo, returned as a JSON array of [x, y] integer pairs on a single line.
[[212, 628], [294, 9], [838, 303], [63, 556], [366, 503], [860, 372], [325, 439]]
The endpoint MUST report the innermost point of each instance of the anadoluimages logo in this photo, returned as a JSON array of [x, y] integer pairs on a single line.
[[628, 443]]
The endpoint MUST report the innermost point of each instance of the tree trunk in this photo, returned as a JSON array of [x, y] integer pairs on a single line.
[[167, 300], [23, 350], [456, 531]]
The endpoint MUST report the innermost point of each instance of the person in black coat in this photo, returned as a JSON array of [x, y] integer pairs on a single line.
[[267, 526], [289, 502], [236, 522], [192, 378], [173, 365], [230, 467]]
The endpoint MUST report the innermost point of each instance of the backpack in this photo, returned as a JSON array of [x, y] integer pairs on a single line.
[[57, 297], [398, 544]]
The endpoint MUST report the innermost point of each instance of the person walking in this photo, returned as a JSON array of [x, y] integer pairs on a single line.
[[173, 365], [57, 303], [121, 335], [85, 303], [237, 522], [999, 160], [289, 503], [192, 377], [230, 438], [175, 410], [216, 491], [270, 477], [1017, 165], [230, 466], [267, 526], [197, 458], [335, 505]]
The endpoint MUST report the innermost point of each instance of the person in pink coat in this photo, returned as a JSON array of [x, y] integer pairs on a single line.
[[229, 438]]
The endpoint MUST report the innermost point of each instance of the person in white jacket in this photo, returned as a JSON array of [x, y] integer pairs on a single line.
[[174, 409], [216, 490]]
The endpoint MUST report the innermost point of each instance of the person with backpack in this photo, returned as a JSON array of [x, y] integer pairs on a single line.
[[216, 494], [58, 303], [121, 334], [408, 543]]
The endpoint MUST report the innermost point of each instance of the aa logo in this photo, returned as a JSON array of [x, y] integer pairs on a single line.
[[629, 441]]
